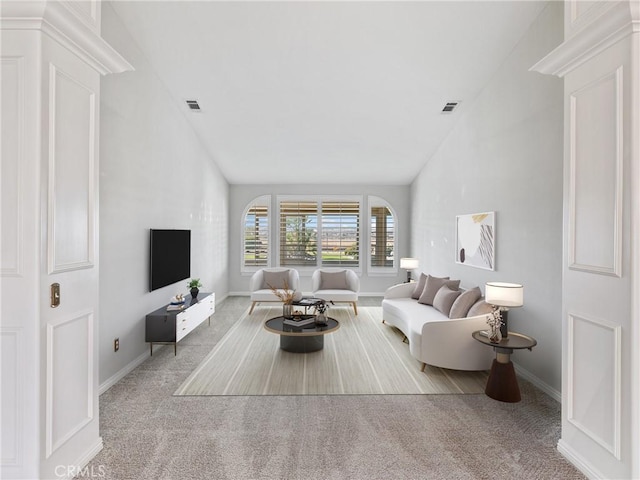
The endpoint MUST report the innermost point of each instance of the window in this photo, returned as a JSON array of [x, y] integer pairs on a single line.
[[340, 234], [256, 234], [298, 233], [381, 235], [319, 233]]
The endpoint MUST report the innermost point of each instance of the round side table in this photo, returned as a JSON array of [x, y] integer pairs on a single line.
[[502, 384]]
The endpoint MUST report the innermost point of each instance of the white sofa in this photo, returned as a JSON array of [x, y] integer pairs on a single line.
[[434, 338]]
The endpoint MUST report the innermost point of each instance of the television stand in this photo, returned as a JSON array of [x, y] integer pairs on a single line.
[[168, 328]]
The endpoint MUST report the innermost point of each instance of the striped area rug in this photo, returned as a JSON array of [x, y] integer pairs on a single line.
[[364, 356]]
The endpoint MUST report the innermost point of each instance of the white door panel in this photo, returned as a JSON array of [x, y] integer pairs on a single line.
[[70, 242]]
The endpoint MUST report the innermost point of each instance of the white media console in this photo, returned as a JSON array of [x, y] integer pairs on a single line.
[[169, 327]]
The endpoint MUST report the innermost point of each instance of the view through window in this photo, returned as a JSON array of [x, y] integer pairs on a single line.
[[256, 236], [298, 233], [319, 233], [340, 234], [382, 237]]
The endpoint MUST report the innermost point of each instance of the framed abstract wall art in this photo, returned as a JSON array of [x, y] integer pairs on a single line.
[[475, 240]]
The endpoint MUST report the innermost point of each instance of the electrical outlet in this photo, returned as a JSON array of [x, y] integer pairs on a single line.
[[116, 345]]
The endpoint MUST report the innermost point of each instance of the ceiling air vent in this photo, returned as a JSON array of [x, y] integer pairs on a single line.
[[193, 105], [450, 107]]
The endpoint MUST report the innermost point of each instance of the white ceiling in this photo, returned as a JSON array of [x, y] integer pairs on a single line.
[[325, 92]]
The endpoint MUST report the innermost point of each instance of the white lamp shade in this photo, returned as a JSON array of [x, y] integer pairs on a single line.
[[503, 294], [408, 263]]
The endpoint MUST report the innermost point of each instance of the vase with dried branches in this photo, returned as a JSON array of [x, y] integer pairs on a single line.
[[321, 308], [494, 320], [286, 296]]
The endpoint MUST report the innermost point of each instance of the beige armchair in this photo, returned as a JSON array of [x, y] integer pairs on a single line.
[[279, 278], [336, 285]]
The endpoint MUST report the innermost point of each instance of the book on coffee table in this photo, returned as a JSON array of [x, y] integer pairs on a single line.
[[308, 301], [299, 323]]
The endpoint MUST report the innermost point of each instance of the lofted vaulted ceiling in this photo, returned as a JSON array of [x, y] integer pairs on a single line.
[[325, 92]]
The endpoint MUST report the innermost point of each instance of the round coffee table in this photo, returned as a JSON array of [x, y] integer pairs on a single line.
[[305, 339]]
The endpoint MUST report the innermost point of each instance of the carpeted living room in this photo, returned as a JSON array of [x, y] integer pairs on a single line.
[[150, 432], [310, 239]]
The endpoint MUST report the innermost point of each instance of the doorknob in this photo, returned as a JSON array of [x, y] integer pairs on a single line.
[[55, 295]]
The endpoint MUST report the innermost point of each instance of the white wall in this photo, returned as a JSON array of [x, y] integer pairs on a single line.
[[154, 173], [242, 195], [505, 155]]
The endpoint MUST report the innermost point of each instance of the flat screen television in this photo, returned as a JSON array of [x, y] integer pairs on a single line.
[[170, 259]]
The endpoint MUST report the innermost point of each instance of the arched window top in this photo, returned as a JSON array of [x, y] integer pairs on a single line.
[[311, 231], [262, 200], [255, 237], [382, 236]]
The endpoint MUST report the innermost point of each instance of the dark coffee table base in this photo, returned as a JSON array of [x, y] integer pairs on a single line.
[[301, 339], [301, 344]]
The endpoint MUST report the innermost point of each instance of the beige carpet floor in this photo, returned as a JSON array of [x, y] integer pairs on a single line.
[[150, 434], [330, 437], [364, 356]]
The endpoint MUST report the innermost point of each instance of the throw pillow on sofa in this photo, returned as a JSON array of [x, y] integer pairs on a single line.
[[276, 279], [419, 287], [432, 285], [333, 280], [480, 308], [444, 299], [464, 302]]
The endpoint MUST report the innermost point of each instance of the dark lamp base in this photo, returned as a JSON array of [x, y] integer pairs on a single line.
[[504, 328]]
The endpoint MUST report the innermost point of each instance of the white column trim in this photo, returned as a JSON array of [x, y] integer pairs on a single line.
[[20, 162], [17, 333], [58, 22], [615, 448], [634, 172], [589, 42], [616, 268]]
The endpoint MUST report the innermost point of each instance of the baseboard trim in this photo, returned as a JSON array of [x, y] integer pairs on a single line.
[[221, 298], [79, 465], [545, 387], [129, 367], [123, 372], [307, 294], [577, 460], [563, 448]]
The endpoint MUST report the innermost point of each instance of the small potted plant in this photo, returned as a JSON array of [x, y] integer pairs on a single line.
[[321, 308], [193, 286]]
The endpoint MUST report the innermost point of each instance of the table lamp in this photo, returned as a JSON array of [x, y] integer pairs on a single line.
[[409, 264], [504, 296]]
